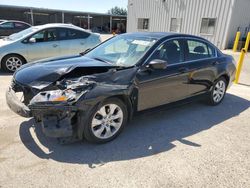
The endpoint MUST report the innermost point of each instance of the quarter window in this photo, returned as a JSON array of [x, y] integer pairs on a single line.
[[170, 51], [143, 23], [199, 50], [175, 25], [20, 25], [208, 26]]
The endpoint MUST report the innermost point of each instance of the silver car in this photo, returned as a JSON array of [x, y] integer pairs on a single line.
[[45, 41]]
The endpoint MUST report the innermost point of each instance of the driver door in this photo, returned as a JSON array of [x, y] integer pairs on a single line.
[[45, 45], [159, 87]]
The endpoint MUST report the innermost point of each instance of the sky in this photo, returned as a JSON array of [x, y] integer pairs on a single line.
[[100, 6]]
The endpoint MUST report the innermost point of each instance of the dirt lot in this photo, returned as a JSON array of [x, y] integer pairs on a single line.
[[194, 145]]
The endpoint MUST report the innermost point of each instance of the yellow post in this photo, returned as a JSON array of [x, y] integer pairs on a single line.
[[247, 42], [236, 41], [239, 65]]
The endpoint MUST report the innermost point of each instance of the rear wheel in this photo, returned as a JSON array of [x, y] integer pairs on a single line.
[[11, 63], [106, 122], [218, 91]]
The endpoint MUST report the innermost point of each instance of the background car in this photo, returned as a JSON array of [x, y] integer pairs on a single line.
[[93, 95], [8, 27], [44, 41]]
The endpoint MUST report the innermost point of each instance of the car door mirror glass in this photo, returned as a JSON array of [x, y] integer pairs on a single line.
[[158, 64], [32, 40]]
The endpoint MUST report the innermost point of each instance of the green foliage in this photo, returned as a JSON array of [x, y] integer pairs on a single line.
[[118, 11]]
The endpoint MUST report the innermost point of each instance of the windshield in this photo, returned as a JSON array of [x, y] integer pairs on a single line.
[[21, 34], [123, 50]]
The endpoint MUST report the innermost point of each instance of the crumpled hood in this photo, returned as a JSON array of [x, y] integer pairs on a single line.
[[48, 71]]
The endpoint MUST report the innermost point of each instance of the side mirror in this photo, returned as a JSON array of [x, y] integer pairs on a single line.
[[158, 64], [32, 40]]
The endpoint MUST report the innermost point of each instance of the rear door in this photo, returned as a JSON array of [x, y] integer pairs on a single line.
[[202, 64], [46, 44], [159, 87], [73, 41]]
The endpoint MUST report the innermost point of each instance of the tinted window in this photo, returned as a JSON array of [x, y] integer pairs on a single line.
[[7, 25], [198, 50], [68, 34], [45, 35], [170, 51], [19, 25]]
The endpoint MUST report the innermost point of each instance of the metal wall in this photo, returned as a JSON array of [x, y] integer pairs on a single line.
[[160, 13], [240, 20]]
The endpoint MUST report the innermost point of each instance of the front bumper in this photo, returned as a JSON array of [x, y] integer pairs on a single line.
[[16, 105], [57, 120]]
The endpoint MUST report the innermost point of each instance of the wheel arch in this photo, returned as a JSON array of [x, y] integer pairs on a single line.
[[127, 102], [83, 116], [226, 76], [17, 54]]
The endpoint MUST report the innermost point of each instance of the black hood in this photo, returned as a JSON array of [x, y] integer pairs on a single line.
[[48, 71]]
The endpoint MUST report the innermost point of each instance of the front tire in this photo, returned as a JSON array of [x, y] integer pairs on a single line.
[[218, 91], [106, 121], [12, 62]]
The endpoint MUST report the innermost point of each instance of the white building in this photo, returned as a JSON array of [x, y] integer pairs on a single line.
[[215, 20]]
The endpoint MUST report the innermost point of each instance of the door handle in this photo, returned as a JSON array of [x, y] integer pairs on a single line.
[[55, 45], [82, 43], [215, 63], [183, 69]]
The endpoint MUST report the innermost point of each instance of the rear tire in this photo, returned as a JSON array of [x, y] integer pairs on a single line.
[[106, 121], [10, 63], [218, 92]]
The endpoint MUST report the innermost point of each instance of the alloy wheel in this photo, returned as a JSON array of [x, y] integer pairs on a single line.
[[107, 121], [13, 63], [219, 91]]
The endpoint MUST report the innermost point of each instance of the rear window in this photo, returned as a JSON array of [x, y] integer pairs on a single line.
[[20, 25], [199, 50], [69, 34]]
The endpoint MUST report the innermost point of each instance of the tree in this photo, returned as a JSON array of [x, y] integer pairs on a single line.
[[118, 11]]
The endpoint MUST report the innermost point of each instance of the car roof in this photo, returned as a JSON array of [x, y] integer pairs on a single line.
[[166, 35], [3, 21], [56, 25], [53, 25], [162, 35]]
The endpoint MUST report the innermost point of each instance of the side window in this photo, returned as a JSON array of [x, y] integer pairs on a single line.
[[7, 25], [198, 50], [170, 51], [69, 34], [45, 35], [19, 25]]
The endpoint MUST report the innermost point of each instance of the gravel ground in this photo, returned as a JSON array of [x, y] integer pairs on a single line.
[[193, 145]]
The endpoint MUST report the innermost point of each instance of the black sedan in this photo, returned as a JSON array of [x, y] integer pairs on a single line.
[[94, 94]]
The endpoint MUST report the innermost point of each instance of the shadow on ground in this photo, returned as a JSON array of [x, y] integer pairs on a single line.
[[2, 73], [147, 134]]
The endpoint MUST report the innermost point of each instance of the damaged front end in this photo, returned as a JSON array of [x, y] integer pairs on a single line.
[[62, 100], [55, 108]]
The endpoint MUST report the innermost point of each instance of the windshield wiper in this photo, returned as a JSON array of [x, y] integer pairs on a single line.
[[102, 60], [84, 52]]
